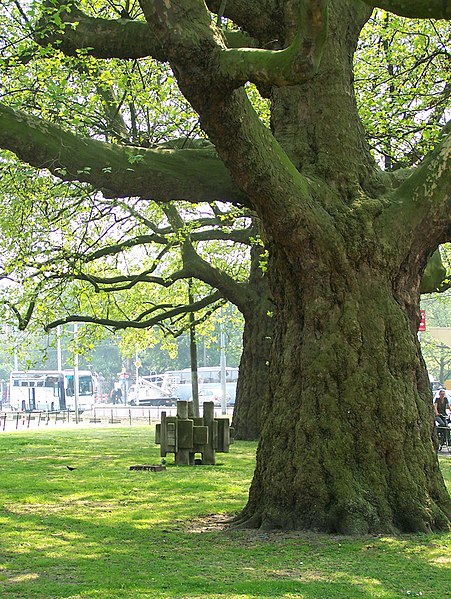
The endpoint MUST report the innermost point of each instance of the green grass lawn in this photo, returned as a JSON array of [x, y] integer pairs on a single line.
[[106, 532]]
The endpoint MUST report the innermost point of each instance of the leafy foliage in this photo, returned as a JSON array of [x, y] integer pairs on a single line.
[[403, 83]]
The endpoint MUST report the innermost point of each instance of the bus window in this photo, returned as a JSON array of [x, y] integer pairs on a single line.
[[70, 386], [51, 381], [85, 385], [231, 376]]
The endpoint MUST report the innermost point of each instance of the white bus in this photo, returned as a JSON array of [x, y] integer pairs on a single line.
[[50, 390], [178, 382], [87, 388]]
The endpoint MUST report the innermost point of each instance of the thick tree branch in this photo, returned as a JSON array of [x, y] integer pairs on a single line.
[[418, 216], [291, 66], [139, 324], [237, 293], [427, 193], [415, 9], [113, 38], [118, 171], [259, 19], [435, 278], [101, 38]]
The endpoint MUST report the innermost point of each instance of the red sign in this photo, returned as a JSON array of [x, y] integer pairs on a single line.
[[422, 326]]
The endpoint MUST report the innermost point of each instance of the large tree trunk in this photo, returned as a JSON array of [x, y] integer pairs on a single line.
[[346, 439], [317, 123], [254, 370], [253, 382], [346, 443]]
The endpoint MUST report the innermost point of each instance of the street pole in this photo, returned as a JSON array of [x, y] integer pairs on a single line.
[[59, 356], [76, 377], [137, 365], [124, 384], [193, 354], [223, 372]]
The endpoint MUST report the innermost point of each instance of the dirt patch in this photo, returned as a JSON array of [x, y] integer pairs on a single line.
[[223, 523], [210, 523]]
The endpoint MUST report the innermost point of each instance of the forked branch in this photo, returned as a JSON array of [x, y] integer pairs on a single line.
[[294, 65]]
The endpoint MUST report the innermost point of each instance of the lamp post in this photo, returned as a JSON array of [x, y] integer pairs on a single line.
[[76, 377], [137, 366], [59, 353], [193, 353], [223, 371]]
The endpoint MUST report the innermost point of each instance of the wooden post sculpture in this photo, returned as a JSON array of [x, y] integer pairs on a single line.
[[184, 435]]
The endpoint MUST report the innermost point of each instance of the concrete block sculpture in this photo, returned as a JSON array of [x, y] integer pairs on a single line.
[[186, 436]]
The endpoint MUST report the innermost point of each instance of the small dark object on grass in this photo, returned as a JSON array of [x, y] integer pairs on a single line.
[[70, 468], [198, 462], [151, 467]]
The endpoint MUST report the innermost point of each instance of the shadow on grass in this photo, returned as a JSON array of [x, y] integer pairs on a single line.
[[86, 557], [105, 532]]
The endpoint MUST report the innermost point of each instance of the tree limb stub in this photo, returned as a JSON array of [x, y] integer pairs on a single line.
[[118, 171], [415, 9], [427, 193]]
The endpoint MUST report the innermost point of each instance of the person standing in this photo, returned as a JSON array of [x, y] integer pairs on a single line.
[[441, 407]]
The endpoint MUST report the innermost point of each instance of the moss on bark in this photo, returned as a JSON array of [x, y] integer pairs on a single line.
[[346, 443]]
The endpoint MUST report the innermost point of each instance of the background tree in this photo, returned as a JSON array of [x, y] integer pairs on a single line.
[[347, 243], [436, 354], [113, 264], [128, 102], [403, 86]]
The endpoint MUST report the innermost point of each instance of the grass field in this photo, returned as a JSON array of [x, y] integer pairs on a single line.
[[102, 531]]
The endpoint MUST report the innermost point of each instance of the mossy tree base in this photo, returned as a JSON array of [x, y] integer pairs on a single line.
[[347, 438]]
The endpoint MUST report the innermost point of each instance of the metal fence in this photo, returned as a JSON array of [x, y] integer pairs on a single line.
[[99, 416]]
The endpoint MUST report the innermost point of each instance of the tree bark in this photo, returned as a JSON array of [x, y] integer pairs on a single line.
[[346, 441], [253, 381], [318, 124]]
